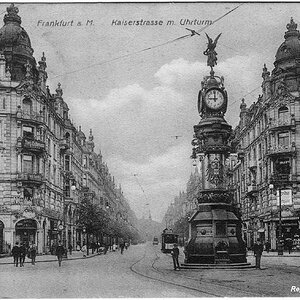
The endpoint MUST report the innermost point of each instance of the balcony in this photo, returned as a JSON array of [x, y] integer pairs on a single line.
[[252, 189], [32, 145], [252, 165], [241, 153], [281, 124], [282, 150], [30, 178], [283, 179], [64, 145], [32, 117]]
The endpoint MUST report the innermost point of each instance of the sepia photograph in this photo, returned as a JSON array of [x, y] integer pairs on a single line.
[[149, 149]]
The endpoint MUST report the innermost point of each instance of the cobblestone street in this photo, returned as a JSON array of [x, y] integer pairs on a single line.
[[110, 275]]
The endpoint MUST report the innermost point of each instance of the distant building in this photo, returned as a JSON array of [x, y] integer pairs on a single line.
[[267, 140]]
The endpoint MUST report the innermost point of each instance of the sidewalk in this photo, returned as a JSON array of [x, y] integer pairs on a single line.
[[275, 254], [48, 258]]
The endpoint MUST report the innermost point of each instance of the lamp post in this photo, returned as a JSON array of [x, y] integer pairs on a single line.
[[279, 241]]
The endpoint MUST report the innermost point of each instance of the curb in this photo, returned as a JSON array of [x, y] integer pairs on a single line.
[[51, 260]]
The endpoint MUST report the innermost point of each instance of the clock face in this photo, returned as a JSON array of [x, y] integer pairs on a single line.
[[214, 99]]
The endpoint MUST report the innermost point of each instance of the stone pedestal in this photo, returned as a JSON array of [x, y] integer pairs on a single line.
[[216, 236]]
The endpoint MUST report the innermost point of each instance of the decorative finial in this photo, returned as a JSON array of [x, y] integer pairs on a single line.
[[291, 26], [243, 104], [91, 135], [12, 14], [211, 53], [265, 74], [42, 63], [59, 91]]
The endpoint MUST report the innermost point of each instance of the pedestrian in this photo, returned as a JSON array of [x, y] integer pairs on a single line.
[[70, 248], [268, 246], [32, 253], [126, 245], [60, 251], [258, 250], [84, 250], [16, 254], [290, 245], [122, 246], [105, 249], [22, 254], [175, 254]]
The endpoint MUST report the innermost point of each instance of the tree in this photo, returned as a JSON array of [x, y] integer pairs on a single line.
[[91, 217], [181, 227]]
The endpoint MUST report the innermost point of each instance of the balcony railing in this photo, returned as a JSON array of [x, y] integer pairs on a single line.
[[33, 144], [281, 149], [252, 165], [240, 153], [281, 123], [30, 116], [30, 177], [252, 189], [64, 144], [283, 179]]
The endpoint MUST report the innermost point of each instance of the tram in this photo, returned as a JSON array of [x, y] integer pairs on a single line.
[[168, 239]]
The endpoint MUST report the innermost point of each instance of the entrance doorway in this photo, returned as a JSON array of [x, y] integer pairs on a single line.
[[26, 231], [1, 237]]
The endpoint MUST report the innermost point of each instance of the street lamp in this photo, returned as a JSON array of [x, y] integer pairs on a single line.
[[279, 242]]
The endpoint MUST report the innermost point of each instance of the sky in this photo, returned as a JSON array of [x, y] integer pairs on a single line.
[[137, 101]]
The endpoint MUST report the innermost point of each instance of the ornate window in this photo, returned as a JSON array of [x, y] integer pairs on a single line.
[[283, 139], [28, 163], [27, 106], [283, 113], [28, 132]]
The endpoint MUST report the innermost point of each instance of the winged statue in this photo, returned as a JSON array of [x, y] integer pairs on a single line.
[[210, 51]]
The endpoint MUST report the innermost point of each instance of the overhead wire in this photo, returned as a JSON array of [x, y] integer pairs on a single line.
[[146, 49]]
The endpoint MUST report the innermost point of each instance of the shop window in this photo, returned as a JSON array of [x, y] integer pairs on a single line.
[[27, 164]]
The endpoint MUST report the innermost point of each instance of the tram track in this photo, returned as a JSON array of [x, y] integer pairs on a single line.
[[210, 289], [216, 283]]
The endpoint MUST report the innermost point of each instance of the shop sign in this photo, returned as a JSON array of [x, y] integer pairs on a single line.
[[286, 197]]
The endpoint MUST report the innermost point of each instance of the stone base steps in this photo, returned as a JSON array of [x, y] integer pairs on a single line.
[[217, 266]]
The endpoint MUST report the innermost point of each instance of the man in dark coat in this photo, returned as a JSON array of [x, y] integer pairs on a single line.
[[60, 251], [258, 249], [175, 254], [22, 254], [15, 251]]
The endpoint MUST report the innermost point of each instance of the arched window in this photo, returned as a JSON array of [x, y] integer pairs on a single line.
[[67, 136], [283, 113]]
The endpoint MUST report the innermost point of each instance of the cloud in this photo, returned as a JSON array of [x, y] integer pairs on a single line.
[[135, 126]]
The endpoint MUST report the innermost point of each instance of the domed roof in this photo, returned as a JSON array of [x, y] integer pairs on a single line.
[[13, 36], [290, 48]]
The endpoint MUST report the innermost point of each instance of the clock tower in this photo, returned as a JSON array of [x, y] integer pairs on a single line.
[[215, 235]]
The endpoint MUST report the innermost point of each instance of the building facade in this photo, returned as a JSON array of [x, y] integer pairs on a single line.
[[46, 163], [266, 174]]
